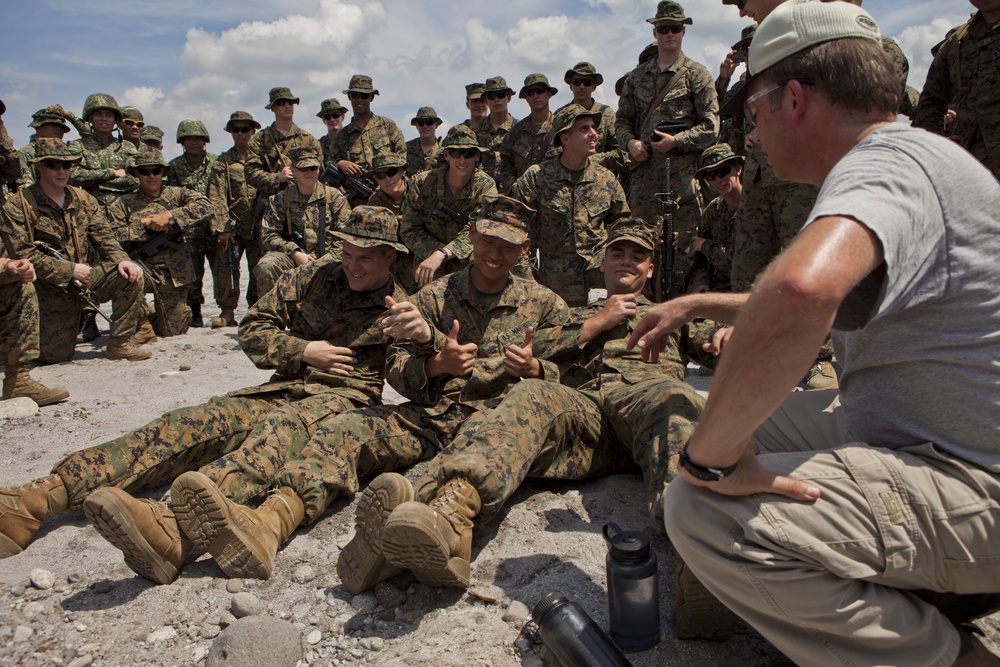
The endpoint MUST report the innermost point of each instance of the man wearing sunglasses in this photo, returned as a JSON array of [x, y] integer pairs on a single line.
[[492, 130], [48, 124], [132, 124], [367, 133], [529, 140], [73, 223], [583, 79], [672, 88], [331, 112], [424, 152], [721, 168]]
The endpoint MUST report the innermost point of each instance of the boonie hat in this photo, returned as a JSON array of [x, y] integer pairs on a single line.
[[533, 80], [583, 69], [45, 116], [372, 226], [497, 84], [426, 113], [241, 117], [387, 160], [280, 93], [329, 106], [53, 149], [149, 157], [505, 218], [361, 83], [667, 10], [715, 156], [565, 117], [461, 136]]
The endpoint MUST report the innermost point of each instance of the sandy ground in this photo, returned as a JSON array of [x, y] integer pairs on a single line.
[[98, 612]]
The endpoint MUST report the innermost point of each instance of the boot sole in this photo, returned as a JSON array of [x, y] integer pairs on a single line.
[[8, 547], [203, 514], [411, 541], [361, 563], [700, 615], [114, 522]]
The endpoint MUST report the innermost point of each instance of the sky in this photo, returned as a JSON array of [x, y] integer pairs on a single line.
[[205, 59]]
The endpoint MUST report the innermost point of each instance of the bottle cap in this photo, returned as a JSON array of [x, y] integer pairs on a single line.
[[626, 545]]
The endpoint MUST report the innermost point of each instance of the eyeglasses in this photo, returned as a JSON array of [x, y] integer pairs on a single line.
[[495, 94], [313, 167], [55, 165], [467, 153], [532, 92], [424, 123], [721, 172], [333, 115], [133, 123], [386, 173], [582, 82], [241, 129], [284, 102], [750, 112], [359, 96], [149, 171], [668, 29]]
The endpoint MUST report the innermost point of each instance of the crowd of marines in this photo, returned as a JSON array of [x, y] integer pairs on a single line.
[[460, 270]]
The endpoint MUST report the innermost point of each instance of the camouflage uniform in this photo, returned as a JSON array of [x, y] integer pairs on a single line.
[[902, 67], [608, 154], [417, 161], [691, 99], [326, 141], [201, 244], [173, 265], [717, 224], [10, 166], [19, 318], [269, 151], [293, 211], [525, 145], [265, 423], [231, 197], [570, 226], [75, 229], [361, 145], [963, 77], [491, 138], [402, 269], [95, 171]]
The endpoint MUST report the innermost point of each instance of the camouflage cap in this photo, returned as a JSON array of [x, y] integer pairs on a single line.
[[535, 80], [280, 93], [715, 156], [583, 69], [131, 113], [667, 10], [241, 117], [53, 149], [387, 160], [101, 101], [497, 84], [565, 117], [151, 133], [361, 83], [461, 136], [330, 106], [746, 36], [149, 157], [370, 227], [306, 156], [45, 116], [474, 91], [426, 113], [190, 127], [635, 230], [504, 217]]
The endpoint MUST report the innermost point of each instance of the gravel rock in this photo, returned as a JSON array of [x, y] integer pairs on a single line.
[[257, 640], [33, 609], [82, 661], [388, 595], [364, 602], [185, 367], [74, 578], [42, 579], [234, 585], [14, 408], [161, 635], [246, 604], [372, 643], [303, 574], [314, 637], [517, 612], [226, 619], [22, 634]]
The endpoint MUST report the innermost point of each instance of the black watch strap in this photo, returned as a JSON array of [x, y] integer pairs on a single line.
[[704, 473]]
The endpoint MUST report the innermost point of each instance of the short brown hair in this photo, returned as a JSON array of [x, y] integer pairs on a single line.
[[854, 73]]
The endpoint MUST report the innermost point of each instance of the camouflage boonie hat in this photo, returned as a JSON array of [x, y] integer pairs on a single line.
[[505, 218], [306, 156], [131, 113], [667, 10], [565, 117], [280, 93], [45, 116], [715, 156], [361, 83], [151, 133], [534, 80], [635, 230], [461, 136], [149, 157], [426, 113], [192, 128], [497, 84], [330, 106], [746, 36], [241, 117], [370, 227], [101, 101], [387, 160], [53, 149], [585, 70], [474, 91]]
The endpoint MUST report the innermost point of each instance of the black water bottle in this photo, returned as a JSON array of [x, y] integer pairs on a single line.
[[633, 592], [573, 636]]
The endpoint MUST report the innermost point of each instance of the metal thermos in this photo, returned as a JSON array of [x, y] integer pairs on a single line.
[[573, 636], [633, 593]]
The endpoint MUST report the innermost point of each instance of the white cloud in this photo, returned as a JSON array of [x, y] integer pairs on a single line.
[[916, 41]]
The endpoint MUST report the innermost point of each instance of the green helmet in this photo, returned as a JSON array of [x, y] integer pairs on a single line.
[[101, 101], [192, 128]]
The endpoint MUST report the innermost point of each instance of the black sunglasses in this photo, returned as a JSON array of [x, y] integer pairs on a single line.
[[56, 164], [667, 29], [309, 168], [332, 116], [495, 94], [721, 172], [359, 96], [386, 173], [424, 123], [467, 153], [149, 171], [241, 129], [582, 82]]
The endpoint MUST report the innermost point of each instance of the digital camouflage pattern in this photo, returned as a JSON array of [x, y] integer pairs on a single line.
[[526, 144], [269, 154], [693, 100], [95, 171], [173, 265], [28, 175], [360, 146], [19, 318], [423, 233], [714, 266], [569, 228], [608, 154], [232, 198], [76, 229], [417, 161], [964, 76], [267, 422], [192, 128], [200, 242], [902, 67], [491, 138]]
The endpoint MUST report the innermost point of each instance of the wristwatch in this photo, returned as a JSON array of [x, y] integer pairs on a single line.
[[444, 251], [704, 473]]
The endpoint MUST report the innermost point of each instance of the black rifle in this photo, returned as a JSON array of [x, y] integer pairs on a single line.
[[670, 127], [75, 287], [151, 247], [295, 236], [233, 262], [663, 286], [359, 188], [445, 212]]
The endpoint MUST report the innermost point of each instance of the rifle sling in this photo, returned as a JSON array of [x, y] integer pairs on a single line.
[[663, 91]]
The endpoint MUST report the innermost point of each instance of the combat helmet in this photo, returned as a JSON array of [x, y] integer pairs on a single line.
[[101, 101], [192, 128]]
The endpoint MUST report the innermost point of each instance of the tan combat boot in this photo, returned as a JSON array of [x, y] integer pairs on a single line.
[[24, 508], [124, 348], [361, 564], [434, 541], [144, 334], [225, 319], [17, 383], [700, 615], [821, 376], [243, 541], [144, 530]]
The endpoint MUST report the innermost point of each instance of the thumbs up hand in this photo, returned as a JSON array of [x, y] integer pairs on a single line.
[[519, 361], [405, 322], [454, 358]]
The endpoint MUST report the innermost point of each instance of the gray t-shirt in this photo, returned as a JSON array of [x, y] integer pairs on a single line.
[[919, 340]]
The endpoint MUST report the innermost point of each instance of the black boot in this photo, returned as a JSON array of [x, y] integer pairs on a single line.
[[196, 320], [88, 326]]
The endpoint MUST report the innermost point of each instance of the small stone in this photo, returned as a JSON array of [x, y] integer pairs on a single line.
[[517, 612], [199, 654], [487, 592], [185, 367], [234, 585], [163, 634], [22, 633], [303, 574], [82, 661], [314, 637], [246, 604], [372, 643], [102, 587], [188, 346], [33, 609], [364, 602], [81, 627], [42, 579], [167, 374], [74, 578], [257, 640], [226, 619], [210, 631], [388, 595], [15, 408], [17, 590]]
